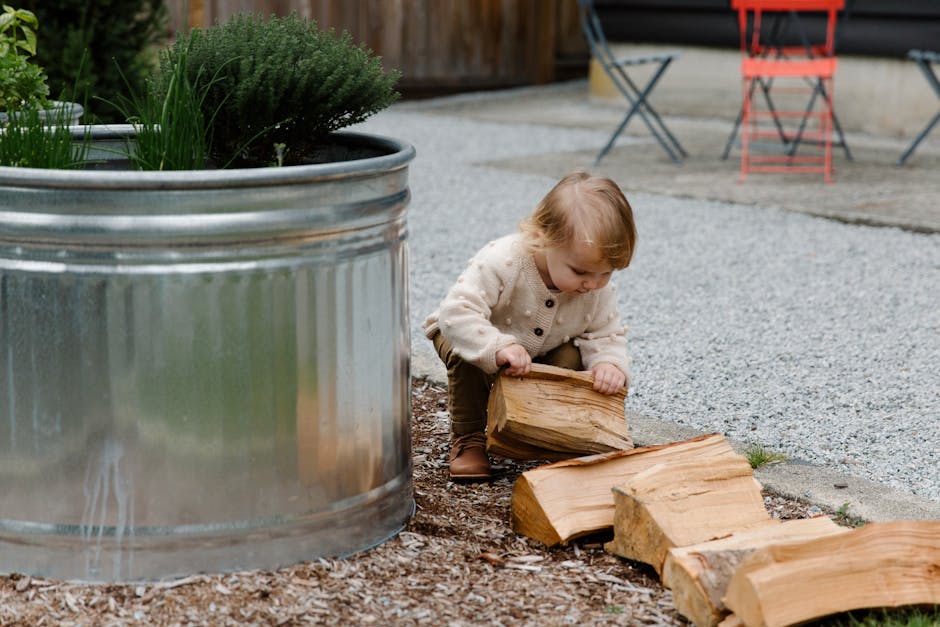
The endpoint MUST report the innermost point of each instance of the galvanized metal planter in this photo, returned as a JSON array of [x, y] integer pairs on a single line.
[[73, 112], [202, 371]]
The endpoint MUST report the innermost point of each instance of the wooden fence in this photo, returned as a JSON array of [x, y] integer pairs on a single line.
[[438, 45]]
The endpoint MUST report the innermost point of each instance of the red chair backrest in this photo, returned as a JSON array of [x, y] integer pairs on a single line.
[[750, 13]]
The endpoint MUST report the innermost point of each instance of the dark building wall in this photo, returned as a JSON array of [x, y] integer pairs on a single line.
[[869, 27]]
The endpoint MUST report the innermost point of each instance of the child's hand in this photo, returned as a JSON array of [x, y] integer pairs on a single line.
[[515, 358], [608, 378]]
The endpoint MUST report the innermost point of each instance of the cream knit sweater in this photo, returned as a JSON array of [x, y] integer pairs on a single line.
[[500, 299]]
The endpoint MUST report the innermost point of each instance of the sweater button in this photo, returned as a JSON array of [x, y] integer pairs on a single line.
[[538, 331], [549, 303]]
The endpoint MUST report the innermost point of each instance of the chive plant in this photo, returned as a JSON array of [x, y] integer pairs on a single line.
[[30, 139], [171, 132]]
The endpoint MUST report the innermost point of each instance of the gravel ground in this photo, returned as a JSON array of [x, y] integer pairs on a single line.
[[814, 338]]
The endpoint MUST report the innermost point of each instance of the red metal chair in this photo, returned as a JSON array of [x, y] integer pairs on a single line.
[[787, 89]]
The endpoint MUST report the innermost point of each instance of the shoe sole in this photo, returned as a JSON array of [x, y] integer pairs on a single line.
[[471, 477]]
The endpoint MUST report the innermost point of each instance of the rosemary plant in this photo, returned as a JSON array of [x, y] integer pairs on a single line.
[[279, 82]]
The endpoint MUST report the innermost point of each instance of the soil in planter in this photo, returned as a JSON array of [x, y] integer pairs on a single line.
[[341, 151], [325, 152]]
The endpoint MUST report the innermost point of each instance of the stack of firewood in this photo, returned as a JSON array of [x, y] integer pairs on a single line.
[[694, 512]]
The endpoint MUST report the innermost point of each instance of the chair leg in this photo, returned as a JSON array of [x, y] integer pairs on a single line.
[[927, 69], [745, 129], [820, 104], [765, 88], [616, 134], [827, 131], [636, 108], [665, 130], [920, 137], [640, 106], [736, 127], [734, 133], [838, 129], [798, 136], [835, 122], [642, 96]]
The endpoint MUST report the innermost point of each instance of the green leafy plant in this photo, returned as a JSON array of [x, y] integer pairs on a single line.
[[31, 139], [281, 82], [758, 456], [844, 518], [18, 31], [22, 82]]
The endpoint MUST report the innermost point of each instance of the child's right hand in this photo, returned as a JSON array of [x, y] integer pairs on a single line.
[[516, 359], [608, 378]]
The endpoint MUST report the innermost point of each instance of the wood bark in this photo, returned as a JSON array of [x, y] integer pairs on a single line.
[[679, 503], [887, 564], [698, 575], [558, 502], [554, 414]]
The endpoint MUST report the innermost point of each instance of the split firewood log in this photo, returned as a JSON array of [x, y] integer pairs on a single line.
[[888, 564], [562, 501], [679, 503], [698, 575], [552, 414]]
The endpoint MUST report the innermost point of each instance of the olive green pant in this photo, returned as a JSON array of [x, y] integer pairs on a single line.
[[468, 387]]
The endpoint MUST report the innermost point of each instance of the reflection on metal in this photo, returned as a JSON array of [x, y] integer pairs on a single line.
[[202, 371]]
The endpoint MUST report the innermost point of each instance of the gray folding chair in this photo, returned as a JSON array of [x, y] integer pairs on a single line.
[[636, 96], [925, 60]]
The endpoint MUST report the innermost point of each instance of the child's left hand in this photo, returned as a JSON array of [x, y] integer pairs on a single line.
[[608, 378]]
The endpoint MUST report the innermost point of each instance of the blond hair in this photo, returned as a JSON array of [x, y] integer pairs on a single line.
[[586, 209]]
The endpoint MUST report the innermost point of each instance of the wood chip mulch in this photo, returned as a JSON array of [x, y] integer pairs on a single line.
[[457, 562]]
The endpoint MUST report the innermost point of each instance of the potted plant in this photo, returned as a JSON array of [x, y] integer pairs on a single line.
[[23, 83], [292, 88], [206, 368]]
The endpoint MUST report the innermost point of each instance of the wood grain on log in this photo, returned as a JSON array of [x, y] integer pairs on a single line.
[[699, 574], [554, 414], [558, 502], [679, 503], [888, 564]]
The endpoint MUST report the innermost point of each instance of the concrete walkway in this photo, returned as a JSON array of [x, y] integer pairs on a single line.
[[869, 190]]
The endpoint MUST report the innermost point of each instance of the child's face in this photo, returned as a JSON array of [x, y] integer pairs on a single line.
[[576, 268]]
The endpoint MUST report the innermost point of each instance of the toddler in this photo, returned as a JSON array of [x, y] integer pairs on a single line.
[[541, 294]]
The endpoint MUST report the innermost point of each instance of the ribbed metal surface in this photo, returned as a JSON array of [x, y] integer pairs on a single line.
[[202, 371]]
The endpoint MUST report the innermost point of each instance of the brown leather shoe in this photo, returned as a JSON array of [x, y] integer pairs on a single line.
[[468, 461]]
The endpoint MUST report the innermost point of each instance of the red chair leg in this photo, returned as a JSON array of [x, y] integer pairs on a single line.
[[745, 128]]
